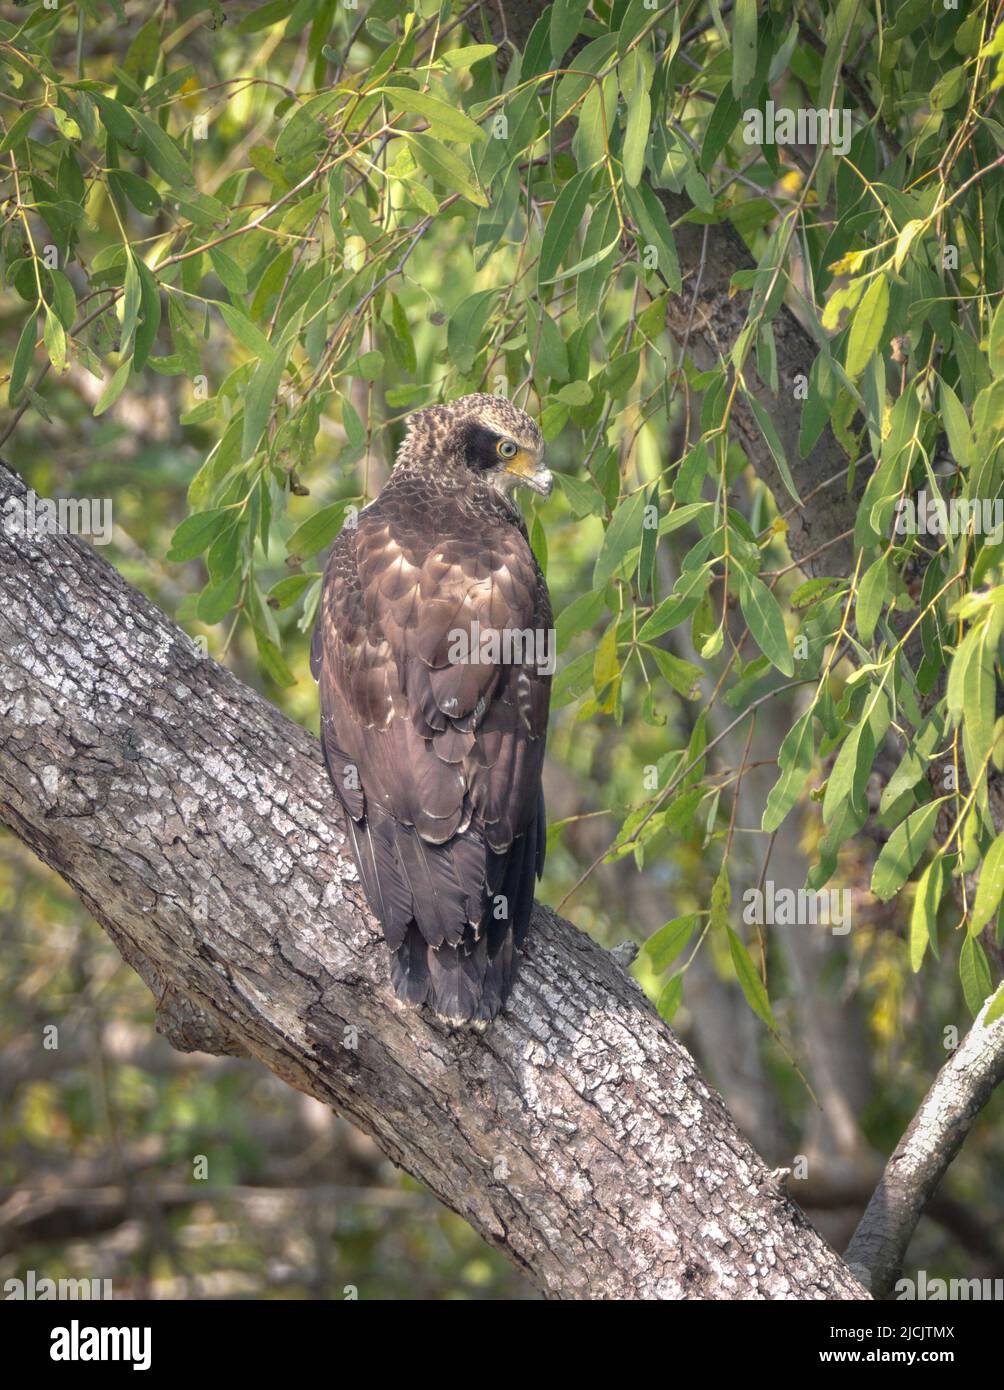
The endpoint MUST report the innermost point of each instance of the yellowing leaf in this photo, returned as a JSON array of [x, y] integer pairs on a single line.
[[905, 240], [867, 326]]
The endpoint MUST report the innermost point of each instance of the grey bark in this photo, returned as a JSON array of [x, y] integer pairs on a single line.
[[197, 824]]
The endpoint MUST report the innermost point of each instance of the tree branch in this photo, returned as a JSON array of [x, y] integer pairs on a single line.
[[924, 1154], [198, 826]]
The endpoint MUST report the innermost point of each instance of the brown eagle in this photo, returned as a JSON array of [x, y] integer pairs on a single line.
[[434, 696]]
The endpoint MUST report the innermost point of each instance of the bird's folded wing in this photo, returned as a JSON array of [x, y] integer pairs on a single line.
[[419, 690]]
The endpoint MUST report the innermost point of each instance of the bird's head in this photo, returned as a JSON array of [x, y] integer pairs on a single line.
[[488, 435]]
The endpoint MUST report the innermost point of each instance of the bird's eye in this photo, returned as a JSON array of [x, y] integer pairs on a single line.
[[507, 449]]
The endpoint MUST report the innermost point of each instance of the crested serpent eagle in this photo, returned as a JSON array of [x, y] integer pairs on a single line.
[[434, 702]]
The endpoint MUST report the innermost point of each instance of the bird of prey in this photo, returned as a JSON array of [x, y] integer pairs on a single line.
[[434, 702]]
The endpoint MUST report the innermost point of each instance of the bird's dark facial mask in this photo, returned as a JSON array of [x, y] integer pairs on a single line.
[[506, 462]]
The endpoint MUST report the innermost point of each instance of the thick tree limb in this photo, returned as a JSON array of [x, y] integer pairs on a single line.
[[922, 1157], [197, 825]]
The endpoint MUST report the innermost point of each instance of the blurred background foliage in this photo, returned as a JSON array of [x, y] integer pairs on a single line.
[[99, 1137]]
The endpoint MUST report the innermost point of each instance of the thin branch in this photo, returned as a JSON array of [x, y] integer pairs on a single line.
[[922, 1157]]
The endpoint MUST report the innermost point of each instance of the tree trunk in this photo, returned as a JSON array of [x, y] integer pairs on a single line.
[[198, 826]]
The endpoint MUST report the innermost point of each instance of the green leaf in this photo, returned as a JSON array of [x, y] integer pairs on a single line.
[[20, 128], [723, 121], [795, 761], [199, 208], [318, 530], [580, 614], [64, 300], [623, 534], [216, 600], [974, 972], [116, 119], [721, 897], [971, 695], [197, 532], [924, 916], [132, 301], [54, 336], [576, 393], [466, 328], [749, 980], [446, 168], [683, 676], [139, 191], [272, 660], [66, 125], [551, 352], [572, 680], [744, 43], [824, 385], [990, 887], [996, 350], [355, 430], [872, 593], [766, 621], [161, 152], [913, 762], [664, 945], [23, 356], [260, 397], [562, 225], [649, 215], [285, 593], [867, 326], [566, 16], [146, 331], [639, 118], [445, 122], [460, 58], [370, 365], [960, 435], [303, 133], [582, 496], [996, 1009], [229, 272], [773, 444], [847, 782], [243, 329], [670, 997], [679, 605], [587, 263], [902, 850], [812, 588], [114, 388]]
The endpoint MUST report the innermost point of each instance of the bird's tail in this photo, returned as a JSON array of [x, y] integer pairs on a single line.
[[463, 985], [454, 915]]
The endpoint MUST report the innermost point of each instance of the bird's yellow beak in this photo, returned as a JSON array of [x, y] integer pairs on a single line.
[[528, 468]]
